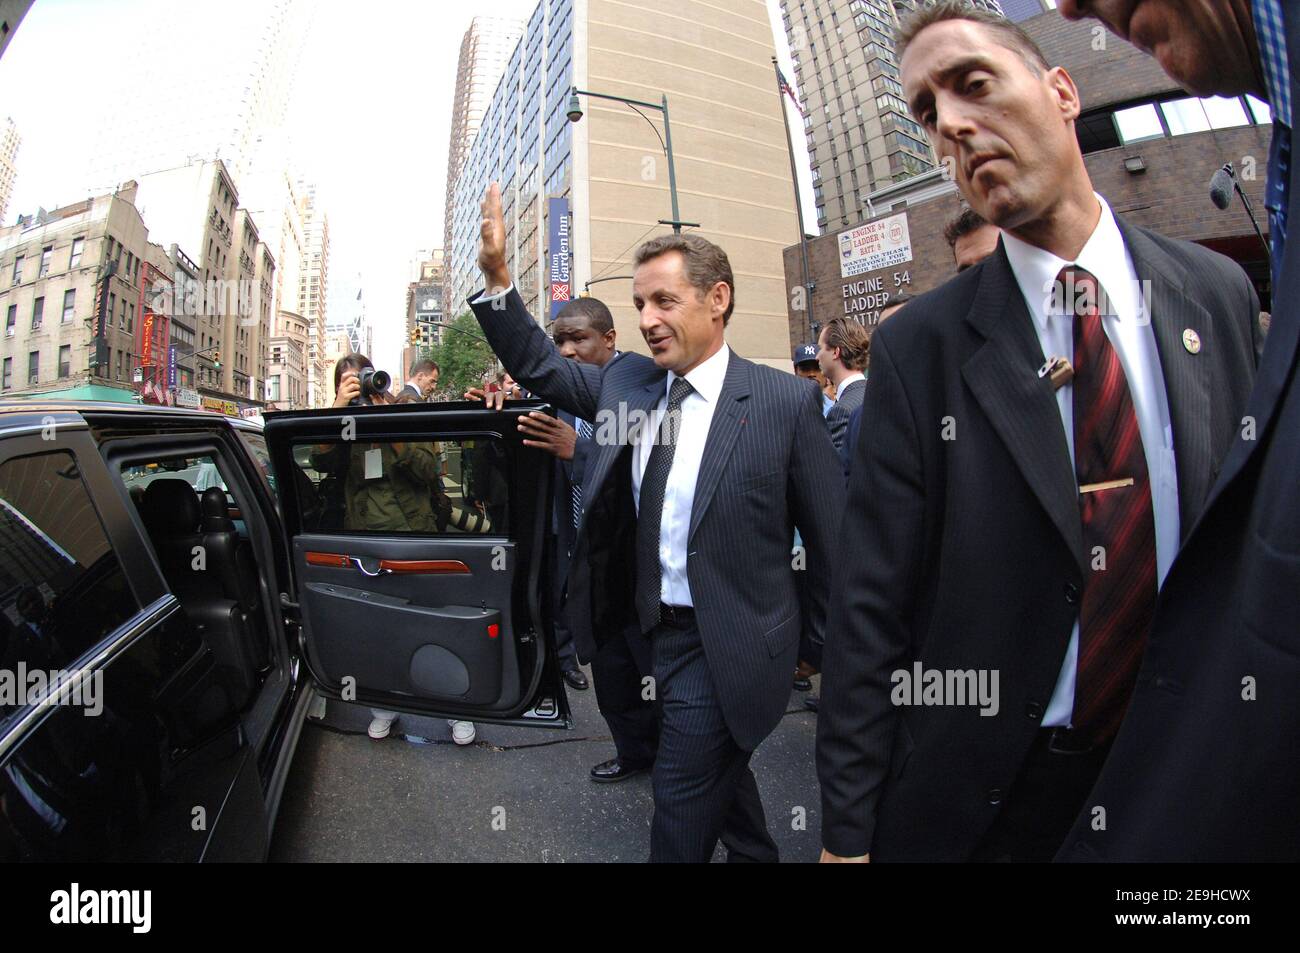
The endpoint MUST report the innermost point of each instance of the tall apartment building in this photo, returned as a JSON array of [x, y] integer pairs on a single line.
[[713, 61], [59, 270], [222, 100], [9, 143], [484, 51], [197, 208], [860, 135], [424, 298], [313, 290]]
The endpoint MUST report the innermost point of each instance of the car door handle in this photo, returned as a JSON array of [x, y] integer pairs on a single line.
[[440, 567]]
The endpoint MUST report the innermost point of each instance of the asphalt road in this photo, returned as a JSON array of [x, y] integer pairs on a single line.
[[514, 795]]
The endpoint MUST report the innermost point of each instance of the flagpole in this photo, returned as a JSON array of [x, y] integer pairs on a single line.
[[798, 200]]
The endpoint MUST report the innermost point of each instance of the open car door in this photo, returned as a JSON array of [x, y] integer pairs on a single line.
[[420, 540]]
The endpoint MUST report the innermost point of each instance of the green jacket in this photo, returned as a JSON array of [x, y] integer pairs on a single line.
[[400, 500]]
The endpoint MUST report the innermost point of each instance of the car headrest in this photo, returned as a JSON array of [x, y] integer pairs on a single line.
[[171, 507], [137, 495], [216, 514]]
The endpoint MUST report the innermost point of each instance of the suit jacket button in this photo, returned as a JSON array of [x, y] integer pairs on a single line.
[[995, 796], [1034, 711], [1071, 593]]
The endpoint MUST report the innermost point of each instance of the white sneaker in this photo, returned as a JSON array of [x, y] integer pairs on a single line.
[[380, 726], [462, 732]]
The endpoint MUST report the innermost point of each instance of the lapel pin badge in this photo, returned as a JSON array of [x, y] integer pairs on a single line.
[[1192, 341]]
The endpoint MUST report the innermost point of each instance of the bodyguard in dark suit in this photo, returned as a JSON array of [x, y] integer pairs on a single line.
[[583, 331], [1205, 767], [842, 350], [1037, 435], [704, 463]]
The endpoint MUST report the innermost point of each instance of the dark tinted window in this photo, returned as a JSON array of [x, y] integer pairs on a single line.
[[61, 586], [439, 487]]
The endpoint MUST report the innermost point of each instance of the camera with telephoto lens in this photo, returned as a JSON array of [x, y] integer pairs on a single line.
[[373, 383]]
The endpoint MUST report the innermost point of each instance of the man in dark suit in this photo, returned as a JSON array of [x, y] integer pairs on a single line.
[[842, 349], [583, 331], [423, 380], [704, 462], [1205, 767], [1037, 435]]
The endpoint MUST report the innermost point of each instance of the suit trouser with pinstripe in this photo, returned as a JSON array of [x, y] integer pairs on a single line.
[[703, 787]]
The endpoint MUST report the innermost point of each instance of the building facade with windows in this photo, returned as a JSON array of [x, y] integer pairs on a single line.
[[313, 291], [484, 51], [713, 62], [9, 144], [59, 271], [859, 132], [424, 297], [197, 208], [286, 383], [1150, 149]]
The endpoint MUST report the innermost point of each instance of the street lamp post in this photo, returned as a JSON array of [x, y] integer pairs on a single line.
[[666, 141]]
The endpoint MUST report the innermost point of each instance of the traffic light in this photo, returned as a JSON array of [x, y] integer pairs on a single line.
[[216, 359], [415, 336]]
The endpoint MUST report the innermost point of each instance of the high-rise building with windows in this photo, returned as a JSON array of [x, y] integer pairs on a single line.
[[9, 143], [222, 100], [313, 289], [861, 137], [484, 51], [713, 62]]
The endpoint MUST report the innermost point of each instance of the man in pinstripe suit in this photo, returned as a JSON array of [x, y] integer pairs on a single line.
[[704, 463]]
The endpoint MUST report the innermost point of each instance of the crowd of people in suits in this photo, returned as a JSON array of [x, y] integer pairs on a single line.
[[1068, 474]]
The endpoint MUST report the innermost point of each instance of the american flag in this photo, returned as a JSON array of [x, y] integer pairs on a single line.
[[789, 91]]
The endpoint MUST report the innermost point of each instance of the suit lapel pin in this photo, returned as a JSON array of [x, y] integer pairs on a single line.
[[1192, 341]]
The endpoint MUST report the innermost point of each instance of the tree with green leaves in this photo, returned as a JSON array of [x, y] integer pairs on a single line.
[[463, 357]]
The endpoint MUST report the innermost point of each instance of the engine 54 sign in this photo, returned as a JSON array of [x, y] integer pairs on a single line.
[[881, 244]]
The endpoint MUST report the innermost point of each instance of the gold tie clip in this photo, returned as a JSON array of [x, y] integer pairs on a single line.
[[1107, 485]]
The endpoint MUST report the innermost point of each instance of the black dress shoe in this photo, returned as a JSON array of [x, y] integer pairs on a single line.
[[802, 685], [811, 702], [615, 770], [576, 679]]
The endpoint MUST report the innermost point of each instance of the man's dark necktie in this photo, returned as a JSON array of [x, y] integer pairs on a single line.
[[1118, 601], [584, 433], [649, 575]]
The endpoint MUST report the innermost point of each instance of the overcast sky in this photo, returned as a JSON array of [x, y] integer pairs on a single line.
[[370, 119]]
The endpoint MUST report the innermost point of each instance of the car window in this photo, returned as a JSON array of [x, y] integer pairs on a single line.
[[61, 585], [199, 472], [256, 444], [435, 487]]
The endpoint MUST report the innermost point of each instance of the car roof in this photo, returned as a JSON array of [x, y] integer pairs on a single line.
[[20, 413]]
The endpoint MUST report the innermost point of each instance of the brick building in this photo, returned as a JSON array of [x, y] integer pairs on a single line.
[[1150, 149]]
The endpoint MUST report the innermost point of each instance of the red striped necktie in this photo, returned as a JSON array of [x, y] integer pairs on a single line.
[[1119, 593]]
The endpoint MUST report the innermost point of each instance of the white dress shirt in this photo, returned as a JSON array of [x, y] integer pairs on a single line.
[[679, 495], [1130, 334], [855, 376]]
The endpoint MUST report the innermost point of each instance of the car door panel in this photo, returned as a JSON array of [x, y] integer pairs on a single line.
[[439, 634], [427, 620]]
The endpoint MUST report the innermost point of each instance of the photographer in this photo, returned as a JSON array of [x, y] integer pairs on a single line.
[[387, 487], [392, 487]]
